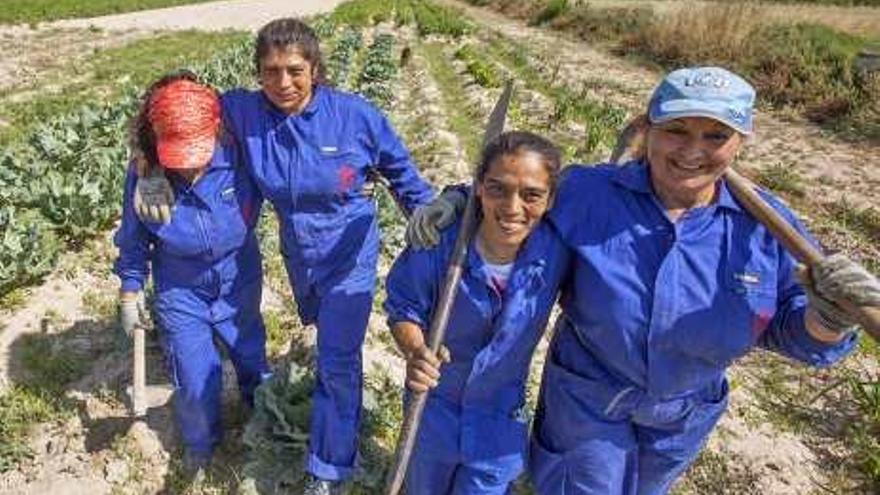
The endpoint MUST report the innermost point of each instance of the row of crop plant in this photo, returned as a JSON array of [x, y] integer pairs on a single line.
[[427, 17], [63, 183]]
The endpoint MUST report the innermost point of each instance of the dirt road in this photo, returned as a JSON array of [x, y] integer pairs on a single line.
[[243, 14]]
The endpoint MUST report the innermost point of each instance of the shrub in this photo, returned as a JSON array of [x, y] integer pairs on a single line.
[[805, 65]]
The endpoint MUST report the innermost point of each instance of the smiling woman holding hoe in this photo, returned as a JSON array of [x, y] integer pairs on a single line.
[[473, 433], [672, 280]]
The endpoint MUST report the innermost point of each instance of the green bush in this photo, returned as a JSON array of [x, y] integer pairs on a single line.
[[805, 65]]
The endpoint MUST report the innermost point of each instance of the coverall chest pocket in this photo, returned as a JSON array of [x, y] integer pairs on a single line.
[[750, 295], [233, 214], [329, 176]]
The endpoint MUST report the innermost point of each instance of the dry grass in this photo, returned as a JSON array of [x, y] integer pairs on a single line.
[[704, 34], [863, 21]]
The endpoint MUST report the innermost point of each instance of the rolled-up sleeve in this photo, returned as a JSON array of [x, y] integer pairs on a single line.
[[787, 333], [411, 288]]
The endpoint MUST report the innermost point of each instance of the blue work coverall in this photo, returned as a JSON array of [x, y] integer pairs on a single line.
[[656, 311], [474, 433], [208, 281], [312, 167]]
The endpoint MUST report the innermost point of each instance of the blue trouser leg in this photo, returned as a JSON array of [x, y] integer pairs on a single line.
[[667, 449], [430, 473], [597, 465], [435, 458], [336, 400], [195, 368], [244, 336], [488, 477], [643, 453]]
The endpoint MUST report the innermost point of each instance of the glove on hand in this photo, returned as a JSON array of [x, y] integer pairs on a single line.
[[423, 230], [130, 307], [834, 279], [153, 197]]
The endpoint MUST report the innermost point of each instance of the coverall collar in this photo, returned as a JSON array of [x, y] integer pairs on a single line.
[[318, 92], [635, 177]]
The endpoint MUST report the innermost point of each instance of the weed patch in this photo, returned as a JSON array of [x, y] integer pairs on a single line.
[[21, 408]]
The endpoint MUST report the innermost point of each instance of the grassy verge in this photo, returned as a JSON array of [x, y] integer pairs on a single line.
[[32, 11], [105, 76]]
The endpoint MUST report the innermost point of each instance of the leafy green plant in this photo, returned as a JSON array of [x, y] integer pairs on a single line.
[[64, 183], [341, 61], [865, 430], [379, 70], [482, 71]]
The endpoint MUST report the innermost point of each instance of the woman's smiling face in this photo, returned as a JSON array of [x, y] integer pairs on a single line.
[[687, 156]]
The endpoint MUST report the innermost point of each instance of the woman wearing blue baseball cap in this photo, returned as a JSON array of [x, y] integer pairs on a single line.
[[672, 280]]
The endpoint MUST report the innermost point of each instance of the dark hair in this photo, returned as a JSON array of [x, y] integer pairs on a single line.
[[514, 142], [141, 137], [288, 32]]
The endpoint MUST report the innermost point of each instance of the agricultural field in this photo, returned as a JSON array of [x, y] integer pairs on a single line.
[[33, 11], [435, 67]]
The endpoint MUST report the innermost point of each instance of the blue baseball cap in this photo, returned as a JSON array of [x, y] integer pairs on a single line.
[[710, 92]]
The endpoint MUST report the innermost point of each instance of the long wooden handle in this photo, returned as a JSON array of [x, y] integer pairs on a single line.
[[139, 373], [800, 248]]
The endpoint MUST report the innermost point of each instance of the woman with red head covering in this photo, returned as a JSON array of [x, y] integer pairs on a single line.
[[205, 260]]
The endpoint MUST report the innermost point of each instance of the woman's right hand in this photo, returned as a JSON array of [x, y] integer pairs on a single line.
[[423, 368], [423, 229], [153, 197]]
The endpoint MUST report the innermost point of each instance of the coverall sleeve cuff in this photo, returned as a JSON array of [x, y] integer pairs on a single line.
[[820, 353], [320, 469], [131, 285], [406, 316]]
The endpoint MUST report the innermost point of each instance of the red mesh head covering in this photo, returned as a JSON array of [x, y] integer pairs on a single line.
[[185, 116]]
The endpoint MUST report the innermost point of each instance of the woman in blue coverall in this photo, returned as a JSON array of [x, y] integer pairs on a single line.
[[672, 280], [205, 260], [310, 149], [474, 433]]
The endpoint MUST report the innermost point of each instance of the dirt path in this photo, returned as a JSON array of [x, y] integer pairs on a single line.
[[242, 14]]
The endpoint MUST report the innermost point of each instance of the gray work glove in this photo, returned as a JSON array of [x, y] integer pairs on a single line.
[[153, 197], [130, 310], [423, 229], [834, 280]]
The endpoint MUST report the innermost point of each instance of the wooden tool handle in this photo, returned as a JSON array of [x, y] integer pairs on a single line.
[[800, 248], [139, 373]]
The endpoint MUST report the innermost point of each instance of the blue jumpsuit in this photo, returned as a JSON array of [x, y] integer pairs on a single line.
[[208, 281], [312, 167], [635, 375], [474, 432]]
